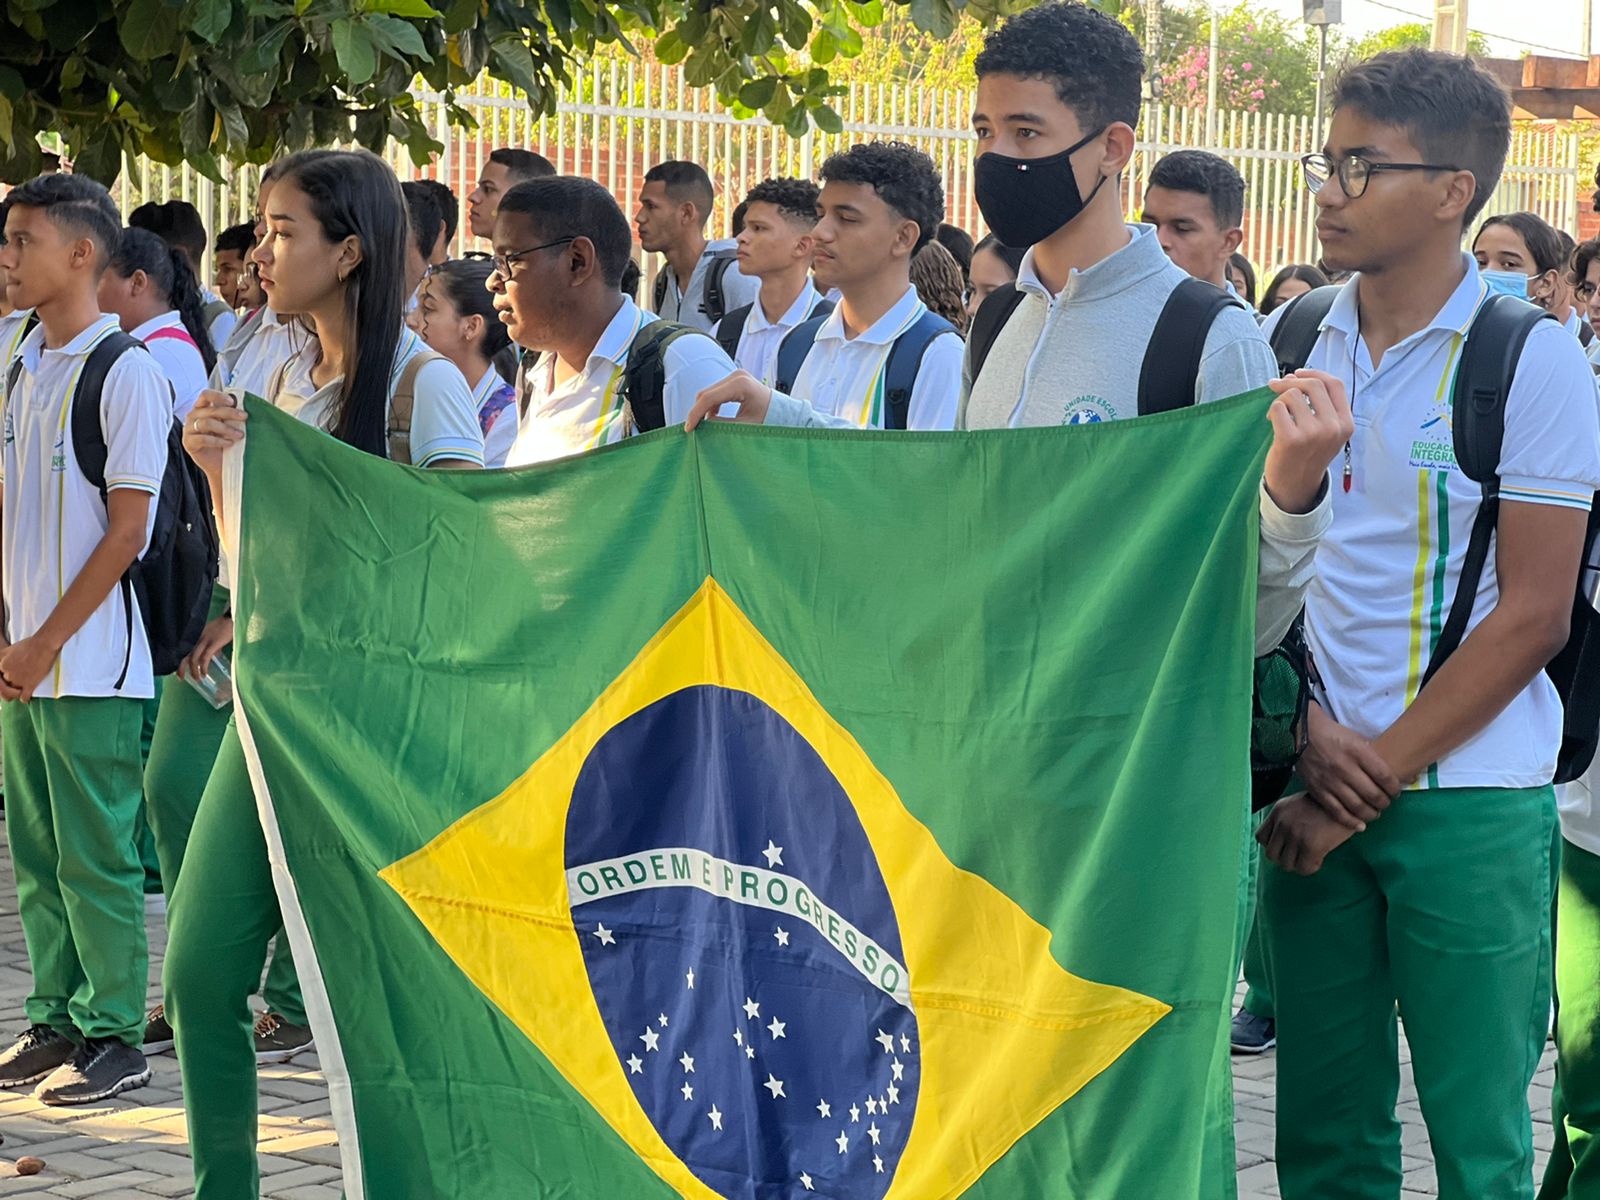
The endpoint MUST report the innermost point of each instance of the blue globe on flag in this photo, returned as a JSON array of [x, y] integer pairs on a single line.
[[743, 950]]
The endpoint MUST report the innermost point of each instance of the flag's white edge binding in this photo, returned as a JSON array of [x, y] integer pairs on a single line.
[[319, 1009]]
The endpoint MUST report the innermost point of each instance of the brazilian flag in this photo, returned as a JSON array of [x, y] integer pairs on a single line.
[[762, 813]]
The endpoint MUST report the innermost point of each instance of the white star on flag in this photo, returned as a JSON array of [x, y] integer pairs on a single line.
[[716, 1118], [905, 1044], [823, 1109], [898, 1069], [635, 1065], [749, 1051], [688, 1092], [877, 1164], [855, 1113], [650, 1038], [776, 1029], [842, 1141], [773, 854], [607, 938], [894, 1093], [689, 979], [688, 1063], [873, 1132], [886, 1040], [775, 1086], [751, 1008], [663, 1020], [872, 1105], [782, 935], [738, 1036], [805, 1181]]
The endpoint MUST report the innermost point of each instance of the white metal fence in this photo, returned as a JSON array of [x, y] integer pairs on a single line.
[[618, 118]]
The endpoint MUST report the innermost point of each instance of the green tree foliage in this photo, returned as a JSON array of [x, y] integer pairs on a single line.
[[244, 80], [1406, 37], [1264, 63]]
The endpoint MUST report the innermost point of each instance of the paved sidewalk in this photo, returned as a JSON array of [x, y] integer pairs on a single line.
[[135, 1148]]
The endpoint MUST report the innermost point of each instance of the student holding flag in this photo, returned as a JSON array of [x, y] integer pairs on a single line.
[[334, 252]]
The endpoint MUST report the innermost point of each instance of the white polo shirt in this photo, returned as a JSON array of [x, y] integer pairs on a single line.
[[178, 357], [1388, 567], [263, 342], [686, 304], [585, 411], [54, 519], [757, 351], [444, 417], [844, 377]]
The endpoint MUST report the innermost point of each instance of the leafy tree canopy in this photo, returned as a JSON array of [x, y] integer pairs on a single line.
[[204, 80]]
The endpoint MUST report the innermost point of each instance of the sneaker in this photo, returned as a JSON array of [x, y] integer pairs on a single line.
[[278, 1041], [33, 1056], [1252, 1034], [157, 1031], [98, 1070]]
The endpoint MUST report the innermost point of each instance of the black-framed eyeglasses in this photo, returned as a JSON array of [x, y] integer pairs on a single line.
[[503, 262], [1354, 172]]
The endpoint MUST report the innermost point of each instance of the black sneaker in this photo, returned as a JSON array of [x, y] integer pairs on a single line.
[[98, 1070], [157, 1031], [1252, 1034], [33, 1056], [278, 1041]]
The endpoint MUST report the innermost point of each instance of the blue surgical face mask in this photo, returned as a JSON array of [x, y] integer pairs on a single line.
[[1509, 283]]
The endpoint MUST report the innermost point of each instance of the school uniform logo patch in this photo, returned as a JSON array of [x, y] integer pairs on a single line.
[[1433, 448], [716, 918], [1088, 410]]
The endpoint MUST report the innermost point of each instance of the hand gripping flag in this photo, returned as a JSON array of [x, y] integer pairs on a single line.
[[762, 813]]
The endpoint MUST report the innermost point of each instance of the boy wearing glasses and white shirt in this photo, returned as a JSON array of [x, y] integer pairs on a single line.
[[1415, 872], [561, 245]]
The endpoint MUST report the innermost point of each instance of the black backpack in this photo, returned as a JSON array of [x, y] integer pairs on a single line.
[[1171, 360], [644, 377], [1478, 414], [731, 327], [899, 372], [173, 579], [716, 304]]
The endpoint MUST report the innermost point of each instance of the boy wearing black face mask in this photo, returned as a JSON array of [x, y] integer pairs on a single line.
[[1058, 96]]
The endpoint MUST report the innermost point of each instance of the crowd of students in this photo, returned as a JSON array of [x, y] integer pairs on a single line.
[[1411, 867]]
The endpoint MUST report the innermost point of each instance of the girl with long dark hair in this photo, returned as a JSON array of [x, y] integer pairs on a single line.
[[455, 316], [151, 290], [333, 254]]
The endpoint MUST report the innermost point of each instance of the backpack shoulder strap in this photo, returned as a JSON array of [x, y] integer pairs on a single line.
[[793, 349], [1484, 376], [730, 328], [644, 376], [659, 288], [212, 309], [1172, 357], [1295, 335], [824, 308], [905, 363], [716, 302], [1489, 357], [403, 403], [991, 318], [88, 434], [171, 334]]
